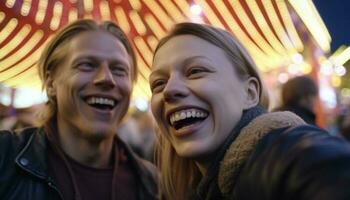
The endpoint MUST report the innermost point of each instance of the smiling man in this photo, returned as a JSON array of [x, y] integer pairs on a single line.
[[88, 71]]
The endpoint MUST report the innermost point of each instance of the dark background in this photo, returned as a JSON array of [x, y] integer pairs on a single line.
[[336, 16]]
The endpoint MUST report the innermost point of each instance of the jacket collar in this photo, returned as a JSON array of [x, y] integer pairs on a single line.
[[33, 158], [244, 145]]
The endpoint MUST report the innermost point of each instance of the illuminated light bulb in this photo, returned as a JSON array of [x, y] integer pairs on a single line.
[[293, 69], [326, 68], [340, 70], [283, 77], [196, 9], [297, 58], [345, 92], [306, 68], [141, 104], [336, 81]]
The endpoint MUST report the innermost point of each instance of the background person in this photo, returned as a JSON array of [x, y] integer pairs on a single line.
[[299, 95]]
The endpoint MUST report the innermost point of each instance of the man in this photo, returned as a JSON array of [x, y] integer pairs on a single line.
[[299, 95], [87, 70]]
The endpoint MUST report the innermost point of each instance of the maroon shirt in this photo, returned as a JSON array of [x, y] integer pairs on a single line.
[[79, 182]]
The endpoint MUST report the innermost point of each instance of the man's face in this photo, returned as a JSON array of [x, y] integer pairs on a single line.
[[92, 85]]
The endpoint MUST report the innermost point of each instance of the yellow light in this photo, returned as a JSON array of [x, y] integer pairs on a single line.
[[185, 7], [33, 83], [256, 53], [143, 85], [138, 23], [29, 76], [264, 27], [213, 19], [154, 26], [104, 10], [15, 41], [23, 65], [73, 14], [142, 47], [88, 5], [10, 3], [308, 14], [306, 68], [57, 14], [11, 60], [139, 93], [144, 69], [289, 25], [26, 7], [336, 81], [152, 42], [253, 32], [136, 4], [8, 28], [342, 57], [122, 19], [40, 15], [2, 16], [278, 27], [172, 10], [345, 92], [159, 12]]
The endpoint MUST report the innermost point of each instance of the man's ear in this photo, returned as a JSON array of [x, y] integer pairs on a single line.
[[50, 85], [252, 93]]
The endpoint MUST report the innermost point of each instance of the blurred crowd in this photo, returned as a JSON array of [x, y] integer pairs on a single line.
[[298, 95]]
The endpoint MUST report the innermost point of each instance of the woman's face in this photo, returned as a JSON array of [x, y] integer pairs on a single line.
[[197, 96]]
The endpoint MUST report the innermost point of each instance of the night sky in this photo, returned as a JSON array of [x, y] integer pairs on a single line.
[[336, 16]]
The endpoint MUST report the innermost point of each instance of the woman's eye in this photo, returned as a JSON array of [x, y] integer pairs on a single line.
[[196, 71], [157, 86]]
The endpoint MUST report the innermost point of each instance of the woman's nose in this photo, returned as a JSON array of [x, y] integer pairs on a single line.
[[175, 89]]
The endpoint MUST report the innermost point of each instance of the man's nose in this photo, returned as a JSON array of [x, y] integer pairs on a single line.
[[104, 76]]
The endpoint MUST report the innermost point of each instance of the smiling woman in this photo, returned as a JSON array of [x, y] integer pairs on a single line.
[[215, 137]]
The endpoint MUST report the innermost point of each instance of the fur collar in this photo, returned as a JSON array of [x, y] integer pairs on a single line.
[[240, 150]]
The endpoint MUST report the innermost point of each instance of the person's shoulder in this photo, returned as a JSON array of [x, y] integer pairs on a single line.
[[10, 140], [302, 161], [18, 134]]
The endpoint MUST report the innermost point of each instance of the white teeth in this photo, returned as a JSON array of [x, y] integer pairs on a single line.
[[100, 100], [183, 114]]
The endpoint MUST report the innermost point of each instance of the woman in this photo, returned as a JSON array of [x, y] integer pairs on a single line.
[[216, 140]]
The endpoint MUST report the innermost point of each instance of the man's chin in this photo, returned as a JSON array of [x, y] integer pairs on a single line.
[[99, 133]]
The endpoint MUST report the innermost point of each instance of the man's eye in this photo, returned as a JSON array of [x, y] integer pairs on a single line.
[[157, 86], [119, 71], [85, 65]]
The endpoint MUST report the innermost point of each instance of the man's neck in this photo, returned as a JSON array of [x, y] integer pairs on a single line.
[[93, 153]]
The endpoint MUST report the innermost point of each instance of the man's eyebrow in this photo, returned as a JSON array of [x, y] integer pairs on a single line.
[[96, 58]]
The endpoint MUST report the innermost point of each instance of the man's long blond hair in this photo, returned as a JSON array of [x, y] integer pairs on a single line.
[[179, 176]]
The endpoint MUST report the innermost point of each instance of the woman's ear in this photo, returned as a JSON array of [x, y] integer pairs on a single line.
[[252, 92], [50, 85]]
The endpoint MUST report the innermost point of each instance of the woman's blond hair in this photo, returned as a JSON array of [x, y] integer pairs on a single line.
[[55, 51], [179, 176]]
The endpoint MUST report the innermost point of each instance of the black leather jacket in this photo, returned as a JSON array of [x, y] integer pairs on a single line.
[[24, 170], [302, 163]]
